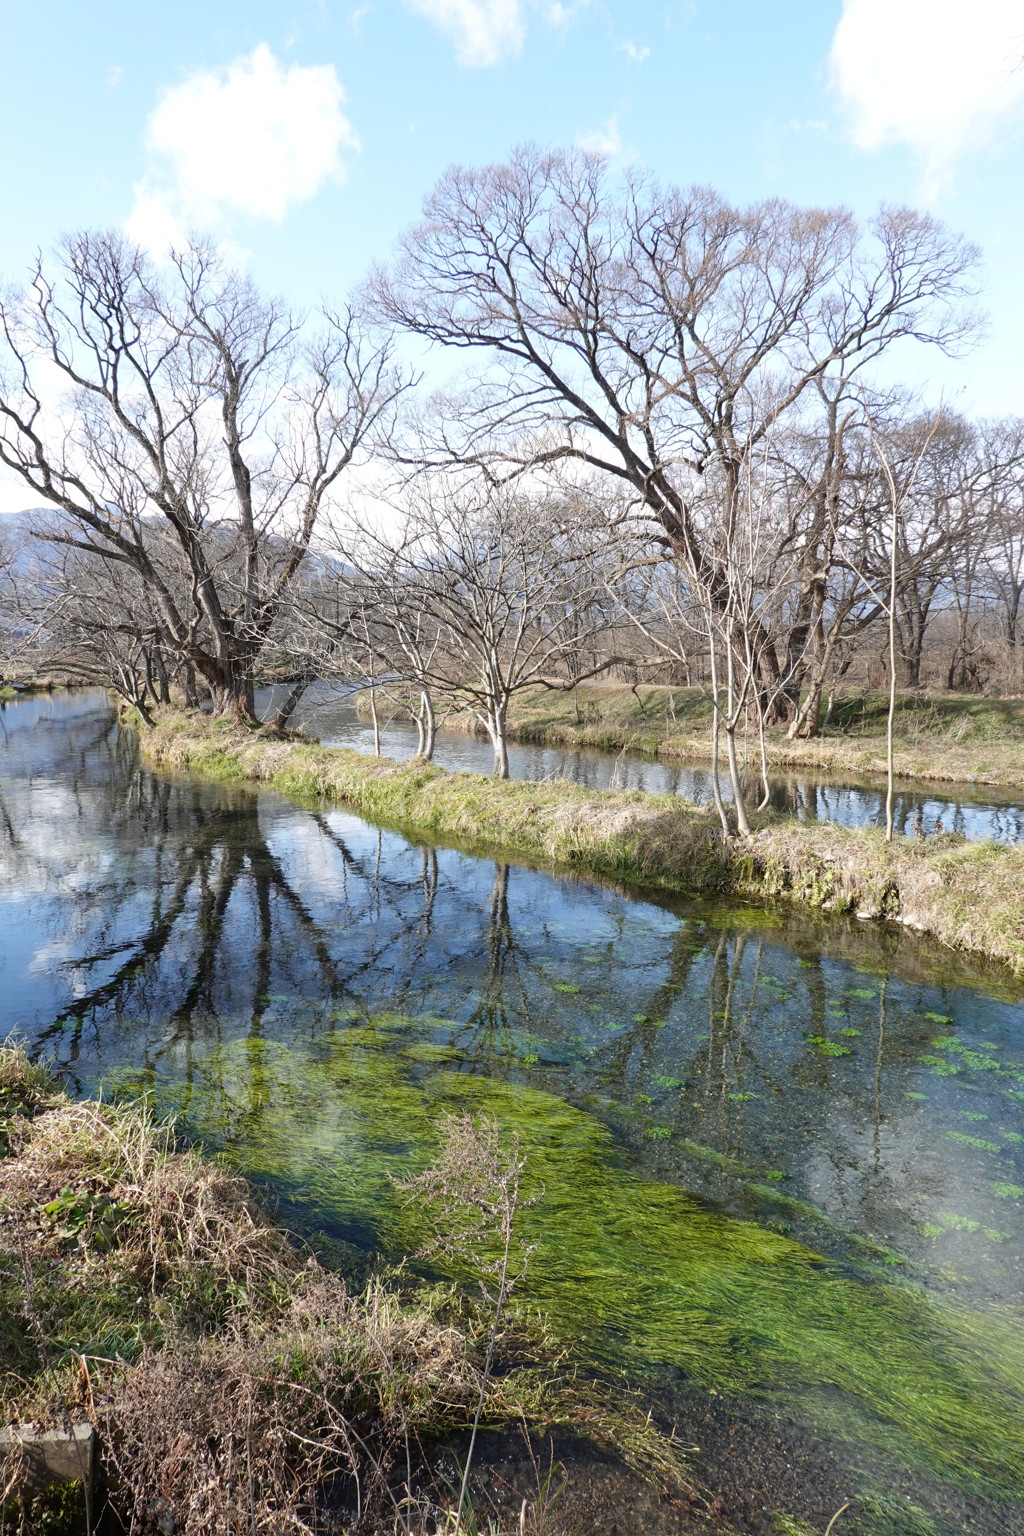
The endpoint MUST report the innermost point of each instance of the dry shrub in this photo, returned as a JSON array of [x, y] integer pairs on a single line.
[[237, 1385], [243, 1377], [255, 1431]]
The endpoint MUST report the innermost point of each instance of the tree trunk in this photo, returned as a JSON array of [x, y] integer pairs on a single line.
[[497, 730], [375, 718], [160, 667], [426, 722], [891, 717], [288, 708], [809, 718], [742, 824], [231, 688]]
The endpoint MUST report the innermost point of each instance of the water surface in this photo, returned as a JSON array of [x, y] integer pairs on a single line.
[[782, 1159], [921, 808]]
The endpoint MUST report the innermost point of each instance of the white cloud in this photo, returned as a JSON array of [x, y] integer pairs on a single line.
[[638, 52], [487, 32], [253, 138], [483, 31], [937, 75], [115, 74], [606, 140]]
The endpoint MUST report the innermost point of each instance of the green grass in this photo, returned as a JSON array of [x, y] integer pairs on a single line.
[[969, 895]]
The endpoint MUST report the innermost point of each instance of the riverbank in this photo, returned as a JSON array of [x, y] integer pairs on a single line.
[[17, 688], [949, 738], [232, 1379], [968, 895]]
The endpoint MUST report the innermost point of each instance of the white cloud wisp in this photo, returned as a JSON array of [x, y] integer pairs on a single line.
[[606, 140], [252, 139], [484, 31], [942, 78], [487, 32]]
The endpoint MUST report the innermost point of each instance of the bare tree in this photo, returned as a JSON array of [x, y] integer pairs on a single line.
[[900, 489], [728, 620], [476, 594], [655, 335], [200, 435], [1001, 452]]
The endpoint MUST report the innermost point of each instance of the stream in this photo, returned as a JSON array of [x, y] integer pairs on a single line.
[[779, 1157], [920, 808]]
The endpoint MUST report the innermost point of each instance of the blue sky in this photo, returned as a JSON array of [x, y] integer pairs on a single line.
[[305, 135]]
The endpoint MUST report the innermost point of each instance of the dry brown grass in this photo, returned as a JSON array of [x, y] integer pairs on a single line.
[[238, 1386]]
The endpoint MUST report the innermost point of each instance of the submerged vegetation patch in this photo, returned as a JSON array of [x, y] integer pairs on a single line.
[[632, 1271]]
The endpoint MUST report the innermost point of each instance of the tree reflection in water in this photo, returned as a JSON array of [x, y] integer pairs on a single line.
[[780, 1066]]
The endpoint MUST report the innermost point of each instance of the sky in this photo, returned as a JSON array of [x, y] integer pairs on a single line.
[[304, 136]]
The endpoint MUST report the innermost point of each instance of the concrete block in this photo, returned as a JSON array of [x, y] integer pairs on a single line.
[[53, 1455]]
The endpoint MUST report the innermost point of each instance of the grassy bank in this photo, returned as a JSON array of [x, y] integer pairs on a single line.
[[970, 896], [235, 1381], [951, 738]]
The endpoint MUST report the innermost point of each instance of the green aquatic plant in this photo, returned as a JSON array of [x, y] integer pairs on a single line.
[[939, 1067], [953, 1223], [827, 1047], [634, 1271], [974, 1141], [974, 1061], [1007, 1191]]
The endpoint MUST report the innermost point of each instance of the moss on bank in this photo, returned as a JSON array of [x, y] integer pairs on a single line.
[[947, 738], [969, 895]]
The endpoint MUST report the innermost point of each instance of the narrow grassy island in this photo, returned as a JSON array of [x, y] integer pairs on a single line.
[[942, 737], [968, 895]]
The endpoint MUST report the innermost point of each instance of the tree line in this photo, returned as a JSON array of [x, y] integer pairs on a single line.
[[673, 446]]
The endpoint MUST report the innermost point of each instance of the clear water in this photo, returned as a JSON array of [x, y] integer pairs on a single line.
[[782, 1158], [920, 809]]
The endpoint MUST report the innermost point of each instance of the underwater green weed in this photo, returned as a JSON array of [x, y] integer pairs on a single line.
[[635, 1271], [974, 1141]]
